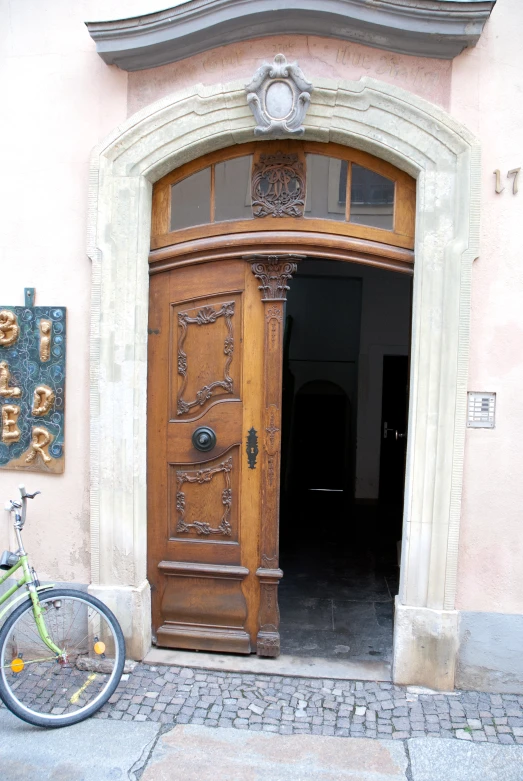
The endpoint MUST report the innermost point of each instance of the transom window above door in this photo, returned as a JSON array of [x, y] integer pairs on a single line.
[[284, 185]]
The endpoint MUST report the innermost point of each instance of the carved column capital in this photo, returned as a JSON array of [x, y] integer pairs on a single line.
[[274, 271]]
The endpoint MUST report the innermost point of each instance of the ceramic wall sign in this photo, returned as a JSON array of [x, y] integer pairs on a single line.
[[32, 386]]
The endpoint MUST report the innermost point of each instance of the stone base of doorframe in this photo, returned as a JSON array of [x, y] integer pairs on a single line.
[[425, 647], [132, 607]]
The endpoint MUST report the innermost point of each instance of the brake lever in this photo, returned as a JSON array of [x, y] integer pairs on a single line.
[[32, 496]]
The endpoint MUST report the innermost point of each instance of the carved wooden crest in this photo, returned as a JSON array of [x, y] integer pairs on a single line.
[[279, 96], [278, 186]]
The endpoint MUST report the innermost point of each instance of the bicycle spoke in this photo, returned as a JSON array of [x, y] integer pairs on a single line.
[[50, 687], [33, 661]]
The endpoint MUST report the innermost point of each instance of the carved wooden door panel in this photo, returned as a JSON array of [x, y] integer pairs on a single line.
[[214, 394]]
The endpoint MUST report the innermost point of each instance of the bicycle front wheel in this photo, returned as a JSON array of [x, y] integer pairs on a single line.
[[51, 690]]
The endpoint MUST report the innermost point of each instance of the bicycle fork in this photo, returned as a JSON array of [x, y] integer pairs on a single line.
[[37, 610]]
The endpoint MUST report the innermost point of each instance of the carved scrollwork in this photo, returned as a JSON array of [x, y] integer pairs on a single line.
[[279, 96], [268, 644], [205, 316], [270, 562], [274, 271], [278, 186], [274, 313], [273, 439], [205, 476]]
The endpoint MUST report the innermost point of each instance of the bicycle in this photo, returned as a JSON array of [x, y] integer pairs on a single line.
[[62, 651]]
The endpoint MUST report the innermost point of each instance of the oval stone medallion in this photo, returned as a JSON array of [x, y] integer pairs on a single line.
[[279, 100]]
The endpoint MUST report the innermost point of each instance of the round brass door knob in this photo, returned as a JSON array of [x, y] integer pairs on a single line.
[[204, 439]]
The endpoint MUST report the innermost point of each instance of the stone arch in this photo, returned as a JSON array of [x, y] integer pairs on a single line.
[[390, 123]]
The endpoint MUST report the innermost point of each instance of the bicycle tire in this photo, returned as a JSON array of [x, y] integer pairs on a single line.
[[59, 691]]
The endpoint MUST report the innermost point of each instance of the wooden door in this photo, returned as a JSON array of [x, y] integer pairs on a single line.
[[215, 353]]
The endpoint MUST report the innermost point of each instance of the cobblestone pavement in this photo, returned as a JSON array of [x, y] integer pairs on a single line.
[[272, 703]]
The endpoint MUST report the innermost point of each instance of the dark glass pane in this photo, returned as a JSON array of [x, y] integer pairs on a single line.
[[232, 188], [326, 185], [342, 194], [371, 199], [191, 200]]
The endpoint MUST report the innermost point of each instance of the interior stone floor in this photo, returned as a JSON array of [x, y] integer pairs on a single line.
[[337, 603]]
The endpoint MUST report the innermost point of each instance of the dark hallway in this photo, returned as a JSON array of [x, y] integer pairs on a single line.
[[338, 552], [337, 597]]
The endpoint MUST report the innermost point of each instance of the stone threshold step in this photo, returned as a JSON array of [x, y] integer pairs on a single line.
[[284, 665]]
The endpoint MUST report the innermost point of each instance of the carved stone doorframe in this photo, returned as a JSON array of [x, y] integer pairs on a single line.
[[380, 119]]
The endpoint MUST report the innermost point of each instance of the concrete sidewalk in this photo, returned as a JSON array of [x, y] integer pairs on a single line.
[[102, 750]]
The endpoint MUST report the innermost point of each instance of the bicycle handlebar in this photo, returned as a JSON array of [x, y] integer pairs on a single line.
[[11, 505], [25, 496]]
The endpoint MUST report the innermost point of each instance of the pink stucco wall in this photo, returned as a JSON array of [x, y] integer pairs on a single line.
[[318, 57], [60, 99], [486, 95]]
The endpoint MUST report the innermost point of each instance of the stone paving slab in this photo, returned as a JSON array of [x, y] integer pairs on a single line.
[[126, 751], [90, 751], [294, 706], [450, 760], [195, 753]]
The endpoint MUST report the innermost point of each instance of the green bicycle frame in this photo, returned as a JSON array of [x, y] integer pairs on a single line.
[[27, 580]]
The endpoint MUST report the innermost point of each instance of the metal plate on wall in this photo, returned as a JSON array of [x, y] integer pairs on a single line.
[[32, 387]]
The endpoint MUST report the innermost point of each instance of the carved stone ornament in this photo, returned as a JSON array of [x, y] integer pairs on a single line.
[[278, 186], [279, 96]]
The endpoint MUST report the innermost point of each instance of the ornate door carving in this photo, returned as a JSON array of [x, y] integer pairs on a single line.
[[215, 352]]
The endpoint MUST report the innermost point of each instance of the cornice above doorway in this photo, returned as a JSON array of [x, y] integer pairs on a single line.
[[432, 28]]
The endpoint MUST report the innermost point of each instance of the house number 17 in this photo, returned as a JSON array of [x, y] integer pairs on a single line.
[[514, 173]]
